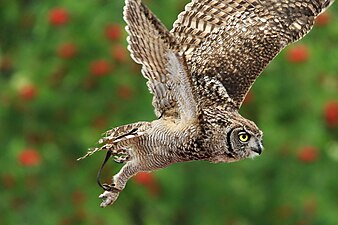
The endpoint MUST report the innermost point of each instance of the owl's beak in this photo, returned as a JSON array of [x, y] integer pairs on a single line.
[[258, 149]]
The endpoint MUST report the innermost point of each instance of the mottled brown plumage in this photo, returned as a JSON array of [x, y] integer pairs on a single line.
[[199, 73]]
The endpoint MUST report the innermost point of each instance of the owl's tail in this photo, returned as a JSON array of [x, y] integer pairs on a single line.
[[118, 140]]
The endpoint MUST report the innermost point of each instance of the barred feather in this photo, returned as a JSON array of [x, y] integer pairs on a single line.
[[150, 44], [234, 40]]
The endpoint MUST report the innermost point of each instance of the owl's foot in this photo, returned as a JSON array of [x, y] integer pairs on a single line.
[[109, 196], [119, 180]]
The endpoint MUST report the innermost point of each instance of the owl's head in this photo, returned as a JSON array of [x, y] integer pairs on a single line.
[[243, 139], [244, 142]]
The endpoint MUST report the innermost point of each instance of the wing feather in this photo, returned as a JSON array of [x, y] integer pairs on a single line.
[[234, 40], [153, 46]]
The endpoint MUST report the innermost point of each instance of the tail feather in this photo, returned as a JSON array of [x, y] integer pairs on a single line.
[[117, 139]]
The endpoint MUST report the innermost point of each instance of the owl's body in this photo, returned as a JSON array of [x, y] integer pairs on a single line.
[[199, 73]]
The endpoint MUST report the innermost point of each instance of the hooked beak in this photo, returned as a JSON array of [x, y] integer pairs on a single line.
[[258, 149]]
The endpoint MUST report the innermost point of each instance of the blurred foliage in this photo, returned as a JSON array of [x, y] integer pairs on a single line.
[[66, 77]]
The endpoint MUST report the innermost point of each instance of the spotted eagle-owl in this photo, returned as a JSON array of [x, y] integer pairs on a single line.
[[199, 73]]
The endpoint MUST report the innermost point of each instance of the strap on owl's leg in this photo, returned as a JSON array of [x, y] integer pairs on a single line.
[[106, 187]]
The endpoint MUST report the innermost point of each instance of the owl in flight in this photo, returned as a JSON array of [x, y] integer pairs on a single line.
[[199, 73]]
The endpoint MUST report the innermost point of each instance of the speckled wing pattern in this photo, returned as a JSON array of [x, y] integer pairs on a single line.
[[155, 48], [232, 41]]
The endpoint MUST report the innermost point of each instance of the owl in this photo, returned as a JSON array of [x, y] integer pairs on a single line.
[[199, 74]]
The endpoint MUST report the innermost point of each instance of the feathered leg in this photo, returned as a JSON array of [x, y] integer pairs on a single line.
[[118, 142], [146, 162], [119, 182]]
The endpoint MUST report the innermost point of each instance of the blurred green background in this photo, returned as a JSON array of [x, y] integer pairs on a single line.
[[66, 77]]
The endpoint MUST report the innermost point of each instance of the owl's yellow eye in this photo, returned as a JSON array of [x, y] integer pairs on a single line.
[[243, 137]]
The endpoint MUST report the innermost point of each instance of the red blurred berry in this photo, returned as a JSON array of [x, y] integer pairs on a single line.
[[67, 50], [308, 154], [27, 20], [6, 66], [302, 223], [66, 221], [78, 197], [323, 19], [119, 53], [331, 113], [248, 98], [124, 92], [297, 54], [100, 67], [147, 180], [310, 206], [29, 157], [80, 216], [100, 122], [8, 181], [285, 211], [6, 63], [144, 178], [113, 32], [58, 16], [17, 203], [28, 92]]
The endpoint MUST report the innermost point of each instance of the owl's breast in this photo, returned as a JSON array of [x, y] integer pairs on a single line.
[[179, 140]]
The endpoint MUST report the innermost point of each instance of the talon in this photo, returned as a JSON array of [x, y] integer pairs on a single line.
[[102, 196], [108, 198]]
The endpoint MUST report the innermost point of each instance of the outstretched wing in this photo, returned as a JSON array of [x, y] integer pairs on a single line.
[[153, 46], [232, 41]]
